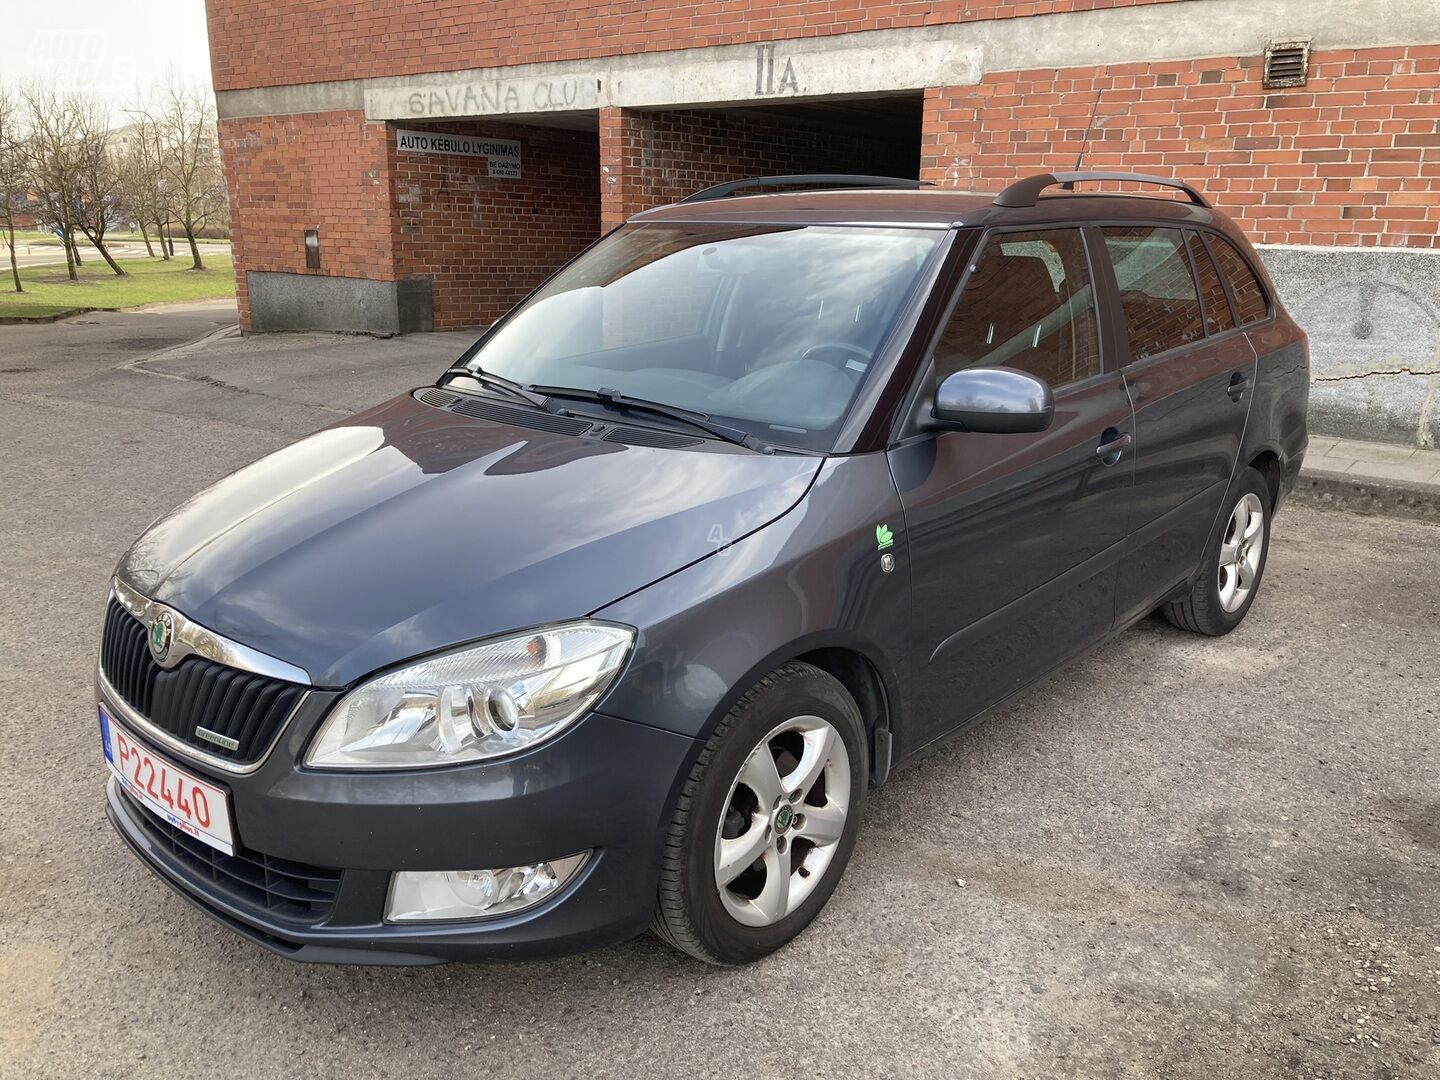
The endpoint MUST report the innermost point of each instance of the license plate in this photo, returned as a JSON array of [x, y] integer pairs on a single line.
[[191, 805]]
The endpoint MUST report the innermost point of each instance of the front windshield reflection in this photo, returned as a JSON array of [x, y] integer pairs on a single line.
[[770, 328]]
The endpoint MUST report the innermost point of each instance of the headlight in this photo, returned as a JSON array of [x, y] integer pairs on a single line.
[[474, 704]]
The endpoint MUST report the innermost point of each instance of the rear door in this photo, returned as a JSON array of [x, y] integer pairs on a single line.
[[1013, 539], [1189, 371]]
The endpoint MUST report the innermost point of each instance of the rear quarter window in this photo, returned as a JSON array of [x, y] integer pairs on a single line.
[[1217, 309], [1251, 304]]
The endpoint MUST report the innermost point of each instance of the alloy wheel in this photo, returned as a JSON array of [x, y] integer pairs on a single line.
[[783, 821], [1240, 551]]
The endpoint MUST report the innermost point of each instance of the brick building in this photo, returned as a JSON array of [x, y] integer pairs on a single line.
[[442, 157]]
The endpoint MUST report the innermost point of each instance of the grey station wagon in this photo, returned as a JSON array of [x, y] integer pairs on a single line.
[[615, 625]]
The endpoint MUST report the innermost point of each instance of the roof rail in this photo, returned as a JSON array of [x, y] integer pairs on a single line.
[[1025, 192], [807, 180]]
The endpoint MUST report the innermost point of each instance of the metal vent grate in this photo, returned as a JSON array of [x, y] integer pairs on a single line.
[[1287, 63]]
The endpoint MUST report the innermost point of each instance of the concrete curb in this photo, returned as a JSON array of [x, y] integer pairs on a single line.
[[185, 348], [67, 313], [70, 312], [1368, 495]]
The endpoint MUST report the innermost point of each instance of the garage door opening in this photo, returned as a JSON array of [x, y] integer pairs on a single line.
[[673, 153], [484, 211]]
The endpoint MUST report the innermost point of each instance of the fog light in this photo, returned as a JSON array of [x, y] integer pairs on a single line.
[[448, 895]]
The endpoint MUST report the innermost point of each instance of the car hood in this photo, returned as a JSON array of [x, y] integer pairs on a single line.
[[408, 529]]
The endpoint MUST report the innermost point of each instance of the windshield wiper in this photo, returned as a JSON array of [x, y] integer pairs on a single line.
[[606, 396], [498, 382]]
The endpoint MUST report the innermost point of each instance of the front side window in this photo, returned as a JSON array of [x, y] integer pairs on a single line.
[[1250, 302], [1027, 304], [1157, 289], [769, 328]]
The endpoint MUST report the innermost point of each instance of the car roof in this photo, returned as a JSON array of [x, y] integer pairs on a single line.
[[928, 208]]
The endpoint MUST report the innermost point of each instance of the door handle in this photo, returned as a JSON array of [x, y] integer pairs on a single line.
[[1109, 452], [1238, 385]]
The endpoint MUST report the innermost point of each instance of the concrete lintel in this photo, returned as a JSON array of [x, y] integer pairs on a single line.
[[291, 100], [866, 61]]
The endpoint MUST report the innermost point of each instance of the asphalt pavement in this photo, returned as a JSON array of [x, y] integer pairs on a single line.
[[1178, 857]]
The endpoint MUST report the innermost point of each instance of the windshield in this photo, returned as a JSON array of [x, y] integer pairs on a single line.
[[769, 328]]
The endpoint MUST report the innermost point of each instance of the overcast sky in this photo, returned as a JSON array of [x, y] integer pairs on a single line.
[[112, 48]]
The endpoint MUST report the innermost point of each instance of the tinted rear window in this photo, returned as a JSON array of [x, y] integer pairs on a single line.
[[1245, 287], [1157, 289]]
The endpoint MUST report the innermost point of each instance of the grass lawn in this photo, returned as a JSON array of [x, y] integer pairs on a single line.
[[30, 237], [49, 239], [150, 281]]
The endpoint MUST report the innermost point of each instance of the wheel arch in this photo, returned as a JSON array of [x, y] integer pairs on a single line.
[[809, 587], [1267, 464], [857, 673], [858, 665]]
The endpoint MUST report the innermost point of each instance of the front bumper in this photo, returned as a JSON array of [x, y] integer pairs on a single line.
[[605, 785]]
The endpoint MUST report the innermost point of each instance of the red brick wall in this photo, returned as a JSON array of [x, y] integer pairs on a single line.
[[487, 242], [651, 158], [1353, 157], [383, 214], [325, 171], [282, 42]]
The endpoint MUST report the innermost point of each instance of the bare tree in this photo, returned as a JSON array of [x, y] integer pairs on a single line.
[[12, 173], [143, 179], [52, 161], [190, 160], [135, 191], [99, 181]]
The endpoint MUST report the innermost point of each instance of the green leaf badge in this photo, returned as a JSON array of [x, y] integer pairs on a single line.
[[884, 538]]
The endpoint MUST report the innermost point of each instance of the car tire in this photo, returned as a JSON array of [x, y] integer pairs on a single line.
[[797, 724], [1234, 562]]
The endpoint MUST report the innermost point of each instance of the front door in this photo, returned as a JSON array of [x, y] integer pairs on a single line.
[[1013, 539], [1190, 374]]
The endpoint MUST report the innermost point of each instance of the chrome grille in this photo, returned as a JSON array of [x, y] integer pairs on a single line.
[[238, 706]]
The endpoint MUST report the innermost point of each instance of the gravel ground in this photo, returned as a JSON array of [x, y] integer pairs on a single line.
[[1176, 858]]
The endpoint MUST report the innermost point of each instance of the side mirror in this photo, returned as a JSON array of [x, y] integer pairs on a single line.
[[998, 400]]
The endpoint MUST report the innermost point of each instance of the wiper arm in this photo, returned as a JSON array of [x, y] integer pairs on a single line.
[[499, 382], [700, 420]]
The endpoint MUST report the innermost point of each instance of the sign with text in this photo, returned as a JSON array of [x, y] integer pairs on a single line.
[[502, 155], [866, 62]]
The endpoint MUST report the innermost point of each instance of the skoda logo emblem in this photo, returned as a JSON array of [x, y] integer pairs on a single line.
[[783, 818], [162, 630]]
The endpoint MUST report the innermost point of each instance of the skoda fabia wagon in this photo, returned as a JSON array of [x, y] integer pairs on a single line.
[[615, 625]]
